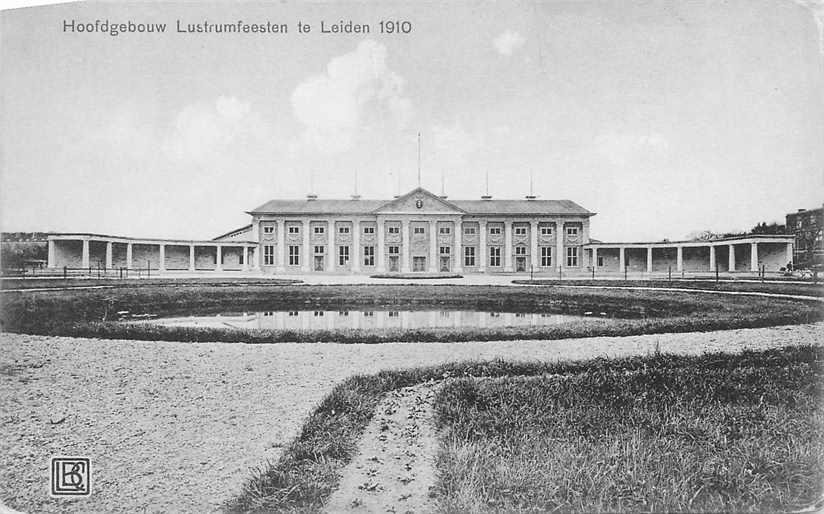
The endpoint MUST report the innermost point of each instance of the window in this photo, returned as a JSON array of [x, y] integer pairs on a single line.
[[368, 314], [394, 314], [469, 256], [294, 255], [494, 255], [546, 231], [394, 250], [572, 231], [469, 231], [600, 261], [319, 250], [319, 230], [445, 230], [495, 230], [368, 255], [394, 229], [368, 230], [294, 229], [293, 314], [520, 250], [318, 314], [343, 229], [268, 229], [419, 230], [343, 255], [240, 258], [268, 255], [546, 256], [520, 231], [444, 250], [343, 313], [572, 256], [268, 314]]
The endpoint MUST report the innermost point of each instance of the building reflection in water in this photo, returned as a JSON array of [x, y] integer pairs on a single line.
[[332, 320]]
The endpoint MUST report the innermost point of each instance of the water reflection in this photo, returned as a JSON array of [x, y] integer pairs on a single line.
[[332, 320]]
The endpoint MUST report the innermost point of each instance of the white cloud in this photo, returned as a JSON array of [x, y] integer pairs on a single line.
[[631, 149], [453, 145], [508, 42], [331, 106]]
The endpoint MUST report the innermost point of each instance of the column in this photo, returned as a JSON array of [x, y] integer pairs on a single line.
[[649, 259], [405, 249], [753, 256], [712, 258], [280, 250], [306, 258], [218, 258], [731, 258], [330, 265], [51, 263], [84, 263], [533, 245], [109, 255], [458, 258], [129, 255], [622, 259], [679, 258], [595, 257], [356, 231], [433, 246], [507, 246], [258, 246], [789, 256], [559, 244], [245, 258], [161, 260], [381, 248], [481, 246], [191, 257]]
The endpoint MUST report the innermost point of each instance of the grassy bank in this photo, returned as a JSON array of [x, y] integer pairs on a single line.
[[92, 312], [768, 408], [660, 434], [787, 287]]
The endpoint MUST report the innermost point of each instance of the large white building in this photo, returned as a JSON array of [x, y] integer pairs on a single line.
[[418, 232]]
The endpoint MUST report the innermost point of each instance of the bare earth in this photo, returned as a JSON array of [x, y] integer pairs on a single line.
[[175, 427]]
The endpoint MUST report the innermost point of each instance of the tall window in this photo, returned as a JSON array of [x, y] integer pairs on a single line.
[[494, 255], [368, 255], [600, 261], [572, 256], [294, 255], [268, 255], [319, 230], [469, 256], [343, 255], [294, 229], [546, 256]]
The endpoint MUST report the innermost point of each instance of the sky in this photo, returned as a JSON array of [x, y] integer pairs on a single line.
[[664, 118]]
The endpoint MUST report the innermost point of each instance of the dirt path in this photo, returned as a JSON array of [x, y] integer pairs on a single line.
[[175, 427], [395, 466]]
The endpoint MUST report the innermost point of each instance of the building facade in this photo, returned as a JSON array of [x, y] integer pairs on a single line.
[[418, 232], [807, 227]]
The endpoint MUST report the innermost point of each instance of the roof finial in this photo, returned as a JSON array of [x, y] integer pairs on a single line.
[[443, 184], [355, 195], [531, 195], [311, 195], [486, 196]]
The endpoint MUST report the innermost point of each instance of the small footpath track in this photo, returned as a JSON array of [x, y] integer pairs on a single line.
[[394, 470]]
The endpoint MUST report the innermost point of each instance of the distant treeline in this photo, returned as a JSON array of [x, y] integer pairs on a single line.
[[18, 248]]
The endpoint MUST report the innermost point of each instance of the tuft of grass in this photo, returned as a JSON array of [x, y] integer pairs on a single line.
[[309, 469], [714, 433]]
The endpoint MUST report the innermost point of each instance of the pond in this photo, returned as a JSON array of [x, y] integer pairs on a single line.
[[369, 319]]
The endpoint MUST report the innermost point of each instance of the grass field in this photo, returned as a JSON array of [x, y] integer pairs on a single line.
[[719, 432], [660, 434], [92, 312]]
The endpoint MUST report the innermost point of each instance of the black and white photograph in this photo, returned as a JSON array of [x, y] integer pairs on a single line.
[[412, 256]]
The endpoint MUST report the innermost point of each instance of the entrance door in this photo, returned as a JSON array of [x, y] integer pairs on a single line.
[[318, 262], [444, 263], [393, 263], [418, 263], [520, 264]]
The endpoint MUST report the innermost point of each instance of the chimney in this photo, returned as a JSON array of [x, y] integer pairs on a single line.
[[530, 197], [486, 197], [311, 197]]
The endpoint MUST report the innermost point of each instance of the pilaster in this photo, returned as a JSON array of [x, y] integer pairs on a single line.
[[481, 245], [356, 232], [433, 246], [507, 246], [753, 256], [457, 258]]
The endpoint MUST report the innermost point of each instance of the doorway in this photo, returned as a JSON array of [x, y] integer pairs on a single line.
[[520, 264], [318, 262], [418, 263], [393, 263], [444, 264]]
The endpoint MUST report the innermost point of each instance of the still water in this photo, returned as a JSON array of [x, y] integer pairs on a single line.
[[366, 319]]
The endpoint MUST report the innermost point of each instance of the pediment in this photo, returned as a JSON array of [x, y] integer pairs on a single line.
[[418, 200]]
